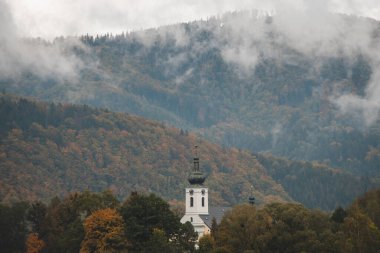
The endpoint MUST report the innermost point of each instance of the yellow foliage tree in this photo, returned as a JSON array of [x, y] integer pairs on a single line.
[[104, 232]]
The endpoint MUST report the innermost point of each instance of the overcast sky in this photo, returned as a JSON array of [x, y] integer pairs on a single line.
[[51, 18]]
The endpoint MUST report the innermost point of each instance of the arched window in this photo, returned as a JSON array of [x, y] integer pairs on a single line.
[[203, 201], [191, 202], [191, 219]]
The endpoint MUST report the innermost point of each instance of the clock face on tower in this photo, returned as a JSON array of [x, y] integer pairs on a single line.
[[203, 191], [191, 192]]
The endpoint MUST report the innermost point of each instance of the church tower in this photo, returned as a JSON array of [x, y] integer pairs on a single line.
[[196, 199]]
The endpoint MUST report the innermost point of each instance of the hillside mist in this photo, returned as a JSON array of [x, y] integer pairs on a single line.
[[301, 85]]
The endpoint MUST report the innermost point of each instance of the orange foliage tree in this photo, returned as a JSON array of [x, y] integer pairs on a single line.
[[104, 232], [34, 244]]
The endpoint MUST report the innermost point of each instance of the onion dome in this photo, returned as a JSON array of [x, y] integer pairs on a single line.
[[196, 177], [251, 200]]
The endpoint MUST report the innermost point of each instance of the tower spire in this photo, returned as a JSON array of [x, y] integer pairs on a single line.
[[196, 159], [251, 198], [196, 176]]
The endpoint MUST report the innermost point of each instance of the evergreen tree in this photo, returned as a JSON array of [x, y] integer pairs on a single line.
[[338, 215], [145, 214], [13, 229]]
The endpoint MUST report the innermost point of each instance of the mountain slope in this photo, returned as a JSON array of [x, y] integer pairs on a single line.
[[315, 184], [239, 80], [53, 149], [49, 149]]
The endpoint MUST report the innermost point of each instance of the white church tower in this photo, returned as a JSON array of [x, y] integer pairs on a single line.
[[197, 211]]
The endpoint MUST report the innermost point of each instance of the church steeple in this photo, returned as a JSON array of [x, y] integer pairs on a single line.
[[197, 199], [196, 176]]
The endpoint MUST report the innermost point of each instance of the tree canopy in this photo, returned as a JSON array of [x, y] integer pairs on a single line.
[[104, 232], [145, 223]]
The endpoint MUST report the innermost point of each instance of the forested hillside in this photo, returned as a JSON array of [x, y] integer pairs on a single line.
[[239, 79], [307, 182], [52, 149]]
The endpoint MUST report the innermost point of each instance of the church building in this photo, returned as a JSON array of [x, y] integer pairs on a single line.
[[198, 212]]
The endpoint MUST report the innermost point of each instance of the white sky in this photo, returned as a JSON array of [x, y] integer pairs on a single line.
[[51, 18]]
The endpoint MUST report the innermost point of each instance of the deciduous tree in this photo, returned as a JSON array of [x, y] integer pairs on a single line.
[[104, 232], [34, 244]]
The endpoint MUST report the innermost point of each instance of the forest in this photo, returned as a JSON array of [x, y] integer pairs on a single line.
[[49, 150], [97, 132], [267, 102], [99, 222], [278, 99]]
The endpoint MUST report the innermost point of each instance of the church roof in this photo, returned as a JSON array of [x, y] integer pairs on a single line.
[[216, 212]]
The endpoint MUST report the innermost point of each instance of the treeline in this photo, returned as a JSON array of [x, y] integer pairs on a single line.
[[94, 222], [99, 222], [294, 228]]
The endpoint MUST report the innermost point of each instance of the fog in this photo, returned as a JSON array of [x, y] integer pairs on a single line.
[[52, 18], [312, 28], [44, 59]]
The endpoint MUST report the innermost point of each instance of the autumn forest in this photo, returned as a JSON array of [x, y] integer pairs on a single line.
[[99, 222], [97, 136]]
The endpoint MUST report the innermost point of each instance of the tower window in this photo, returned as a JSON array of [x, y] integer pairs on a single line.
[[191, 202], [191, 219], [203, 201]]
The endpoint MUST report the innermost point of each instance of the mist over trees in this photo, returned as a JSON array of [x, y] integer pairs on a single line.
[[289, 104], [295, 116], [240, 79]]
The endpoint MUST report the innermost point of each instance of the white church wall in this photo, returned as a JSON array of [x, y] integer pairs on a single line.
[[197, 200], [199, 226]]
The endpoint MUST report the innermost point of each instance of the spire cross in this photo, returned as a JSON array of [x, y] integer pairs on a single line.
[[196, 159]]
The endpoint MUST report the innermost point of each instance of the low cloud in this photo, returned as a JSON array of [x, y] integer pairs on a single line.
[[276, 133], [366, 108], [44, 59], [52, 18], [311, 28]]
